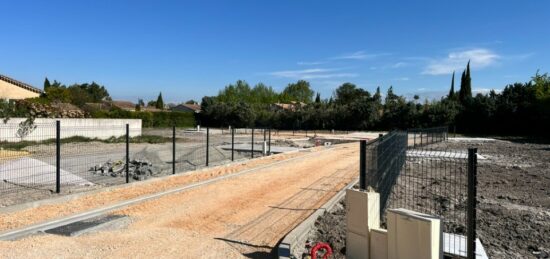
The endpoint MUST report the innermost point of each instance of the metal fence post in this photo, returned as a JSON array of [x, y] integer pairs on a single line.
[[174, 149], [232, 144], [127, 153], [472, 200], [269, 143], [58, 156], [207, 144], [252, 146], [363, 164]]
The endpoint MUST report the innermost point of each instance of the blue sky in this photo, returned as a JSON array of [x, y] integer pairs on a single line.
[[188, 49]]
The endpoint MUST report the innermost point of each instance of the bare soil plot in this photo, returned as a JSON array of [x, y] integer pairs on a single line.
[[242, 216]]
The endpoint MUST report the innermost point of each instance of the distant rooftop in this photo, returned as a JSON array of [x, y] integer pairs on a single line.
[[20, 84]]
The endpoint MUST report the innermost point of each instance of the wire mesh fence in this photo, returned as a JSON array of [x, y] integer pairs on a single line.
[[433, 181], [60, 159], [27, 163], [420, 137]]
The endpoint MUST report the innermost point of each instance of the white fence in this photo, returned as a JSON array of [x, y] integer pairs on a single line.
[[90, 128]]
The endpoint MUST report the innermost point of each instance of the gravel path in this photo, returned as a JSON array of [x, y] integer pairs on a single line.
[[244, 216]]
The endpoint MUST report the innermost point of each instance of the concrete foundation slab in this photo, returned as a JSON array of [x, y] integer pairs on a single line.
[[455, 245], [30, 171], [440, 154]]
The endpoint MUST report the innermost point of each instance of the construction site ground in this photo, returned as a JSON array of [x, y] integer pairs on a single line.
[[241, 216], [513, 211]]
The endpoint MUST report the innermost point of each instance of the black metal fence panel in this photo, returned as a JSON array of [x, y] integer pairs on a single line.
[[384, 161], [27, 163], [37, 165], [411, 175], [425, 136]]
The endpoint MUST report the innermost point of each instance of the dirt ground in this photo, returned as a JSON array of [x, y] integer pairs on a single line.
[[513, 213], [244, 216]]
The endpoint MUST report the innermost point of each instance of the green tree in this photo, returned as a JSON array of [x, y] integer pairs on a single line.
[[452, 91], [46, 84], [299, 92], [348, 93], [159, 104], [465, 85], [318, 98]]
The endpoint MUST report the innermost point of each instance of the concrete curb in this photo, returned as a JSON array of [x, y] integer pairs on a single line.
[[297, 236]]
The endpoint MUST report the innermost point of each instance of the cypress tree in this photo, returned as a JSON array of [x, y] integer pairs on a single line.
[[47, 84], [468, 81], [452, 91], [160, 103], [465, 84]]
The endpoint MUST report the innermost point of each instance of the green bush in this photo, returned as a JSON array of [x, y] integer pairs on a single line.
[[150, 119]]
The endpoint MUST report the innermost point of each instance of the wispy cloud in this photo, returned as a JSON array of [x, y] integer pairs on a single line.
[[313, 73], [360, 55], [399, 64], [478, 57], [312, 63], [402, 79]]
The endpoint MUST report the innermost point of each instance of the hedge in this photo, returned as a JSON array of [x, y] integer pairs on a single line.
[[151, 119]]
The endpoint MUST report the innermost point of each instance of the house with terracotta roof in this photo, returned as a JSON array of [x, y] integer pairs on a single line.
[[292, 106], [12, 89], [184, 107], [124, 105]]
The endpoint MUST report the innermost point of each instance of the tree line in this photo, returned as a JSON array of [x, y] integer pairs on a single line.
[[519, 109]]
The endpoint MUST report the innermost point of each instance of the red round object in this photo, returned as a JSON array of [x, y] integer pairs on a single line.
[[319, 246]]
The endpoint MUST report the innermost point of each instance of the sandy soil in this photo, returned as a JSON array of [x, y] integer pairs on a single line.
[[94, 200], [244, 216]]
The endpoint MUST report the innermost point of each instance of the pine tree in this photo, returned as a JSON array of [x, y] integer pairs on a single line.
[[47, 84], [160, 103], [318, 98], [452, 91]]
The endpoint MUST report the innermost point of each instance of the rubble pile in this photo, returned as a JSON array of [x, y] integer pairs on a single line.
[[53, 110], [137, 169]]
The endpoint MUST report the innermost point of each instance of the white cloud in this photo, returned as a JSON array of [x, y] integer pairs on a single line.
[[399, 64], [402, 79], [484, 90], [305, 63], [479, 58], [361, 55], [312, 73]]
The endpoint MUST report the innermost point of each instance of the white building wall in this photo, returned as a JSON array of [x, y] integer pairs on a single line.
[[90, 128]]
